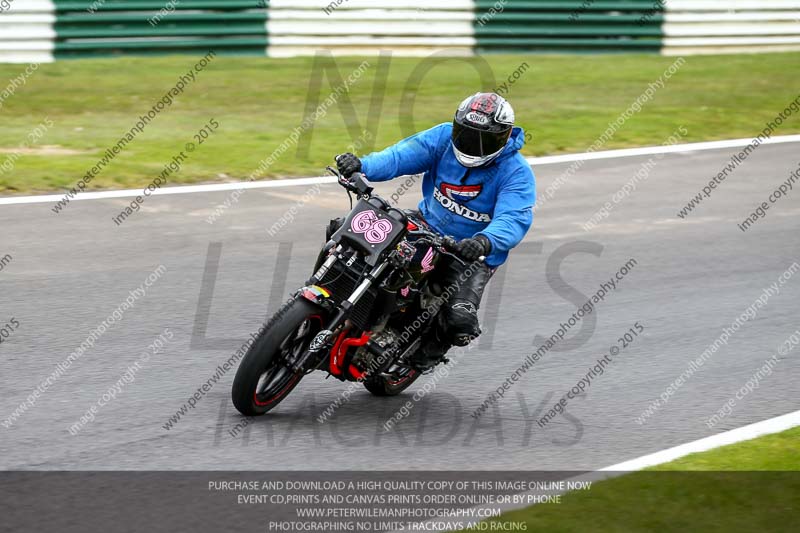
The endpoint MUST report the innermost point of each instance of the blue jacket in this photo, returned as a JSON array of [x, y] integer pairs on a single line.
[[496, 200]]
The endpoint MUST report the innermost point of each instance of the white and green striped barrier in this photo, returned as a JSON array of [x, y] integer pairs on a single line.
[[727, 26], [43, 30], [27, 31]]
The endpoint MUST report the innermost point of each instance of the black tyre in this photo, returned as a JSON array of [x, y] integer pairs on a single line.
[[261, 382], [386, 386]]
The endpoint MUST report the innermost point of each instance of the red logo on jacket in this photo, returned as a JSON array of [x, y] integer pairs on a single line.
[[460, 193]]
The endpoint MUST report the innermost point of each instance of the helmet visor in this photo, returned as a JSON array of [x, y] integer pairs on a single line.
[[477, 143]]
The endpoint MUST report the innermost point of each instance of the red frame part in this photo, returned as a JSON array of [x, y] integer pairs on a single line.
[[339, 350]]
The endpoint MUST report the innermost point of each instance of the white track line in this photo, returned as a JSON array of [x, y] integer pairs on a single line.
[[652, 150], [294, 182], [758, 429], [184, 189], [766, 427]]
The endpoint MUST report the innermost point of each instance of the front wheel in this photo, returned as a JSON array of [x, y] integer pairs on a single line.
[[262, 380]]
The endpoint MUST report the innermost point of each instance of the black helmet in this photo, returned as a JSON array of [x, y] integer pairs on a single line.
[[481, 128]]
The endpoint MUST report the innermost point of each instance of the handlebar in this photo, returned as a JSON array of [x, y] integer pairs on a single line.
[[444, 243], [447, 246], [357, 182]]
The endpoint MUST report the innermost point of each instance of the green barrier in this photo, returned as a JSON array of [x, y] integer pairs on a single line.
[[155, 5], [585, 26], [87, 28], [157, 27]]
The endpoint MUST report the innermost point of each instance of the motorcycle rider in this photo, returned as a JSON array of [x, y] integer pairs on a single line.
[[476, 187]]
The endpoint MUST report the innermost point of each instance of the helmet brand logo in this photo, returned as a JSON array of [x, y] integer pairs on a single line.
[[477, 118]]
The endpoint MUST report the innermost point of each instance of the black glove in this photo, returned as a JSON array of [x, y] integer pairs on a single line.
[[348, 164], [473, 248]]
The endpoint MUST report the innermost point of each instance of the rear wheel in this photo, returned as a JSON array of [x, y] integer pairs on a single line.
[[262, 380], [391, 385]]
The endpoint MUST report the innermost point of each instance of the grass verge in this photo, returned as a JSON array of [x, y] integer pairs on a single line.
[[565, 102], [744, 487]]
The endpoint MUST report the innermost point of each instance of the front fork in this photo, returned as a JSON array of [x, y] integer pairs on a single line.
[[323, 342], [326, 266]]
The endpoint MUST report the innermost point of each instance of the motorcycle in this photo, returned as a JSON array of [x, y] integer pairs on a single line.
[[361, 316]]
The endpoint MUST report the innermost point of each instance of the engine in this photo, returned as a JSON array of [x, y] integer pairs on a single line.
[[375, 356]]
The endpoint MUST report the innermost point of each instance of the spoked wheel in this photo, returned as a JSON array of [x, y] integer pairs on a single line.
[[263, 380], [393, 385]]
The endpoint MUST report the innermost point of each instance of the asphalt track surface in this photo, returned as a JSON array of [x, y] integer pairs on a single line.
[[693, 277]]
